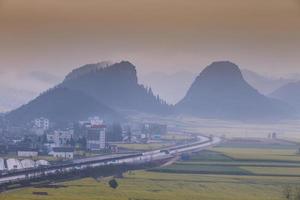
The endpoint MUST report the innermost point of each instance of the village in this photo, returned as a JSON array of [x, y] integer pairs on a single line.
[[42, 143]]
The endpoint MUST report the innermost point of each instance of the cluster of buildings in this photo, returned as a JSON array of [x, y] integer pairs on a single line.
[[153, 130], [42, 139], [146, 132], [91, 135], [40, 125], [16, 164], [61, 143]]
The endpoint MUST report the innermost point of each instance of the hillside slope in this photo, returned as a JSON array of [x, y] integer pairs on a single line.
[[220, 91]]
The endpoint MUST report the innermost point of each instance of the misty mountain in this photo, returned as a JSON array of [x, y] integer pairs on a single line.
[[61, 105], [220, 91], [93, 89], [263, 84], [86, 69], [171, 87], [168, 87], [289, 93], [116, 86]]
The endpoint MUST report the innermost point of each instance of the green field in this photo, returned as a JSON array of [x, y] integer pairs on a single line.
[[176, 137], [288, 155], [239, 161], [143, 147], [142, 185], [198, 168], [222, 173]]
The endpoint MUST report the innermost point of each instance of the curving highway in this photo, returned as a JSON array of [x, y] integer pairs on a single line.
[[92, 162]]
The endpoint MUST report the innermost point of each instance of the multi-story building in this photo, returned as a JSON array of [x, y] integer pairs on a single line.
[[62, 152], [96, 137], [41, 123], [153, 130], [60, 138], [27, 152]]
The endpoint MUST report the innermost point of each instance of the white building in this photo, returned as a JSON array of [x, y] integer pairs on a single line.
[[2, 165], [95, 121], [42, 163], [13, 164], [41, 123], [27, 153], [27, 163], [96, 137], [60, 138], [62, 152]]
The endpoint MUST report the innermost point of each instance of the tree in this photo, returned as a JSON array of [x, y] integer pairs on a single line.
[[82, 142], [44, 138], [113, 183], [114, 133], [71, 142]]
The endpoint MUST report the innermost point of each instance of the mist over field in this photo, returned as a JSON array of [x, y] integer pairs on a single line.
[[140, 99]]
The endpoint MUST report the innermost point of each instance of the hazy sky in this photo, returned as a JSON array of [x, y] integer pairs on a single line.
[[41, 40]]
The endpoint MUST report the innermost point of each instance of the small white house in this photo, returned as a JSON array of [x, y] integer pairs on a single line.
[[62, 152], [27, 163], [27, 153], [13, 164], [40, 163]]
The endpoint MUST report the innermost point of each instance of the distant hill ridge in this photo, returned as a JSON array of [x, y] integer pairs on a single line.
[[106, 89], [220, 91], [289, 93], [264, 84]]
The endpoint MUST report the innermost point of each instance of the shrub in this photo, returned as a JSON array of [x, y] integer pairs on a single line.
[[113, 183]]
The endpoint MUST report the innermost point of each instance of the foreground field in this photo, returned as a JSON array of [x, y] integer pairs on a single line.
[[141, 185], [223, 173]]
